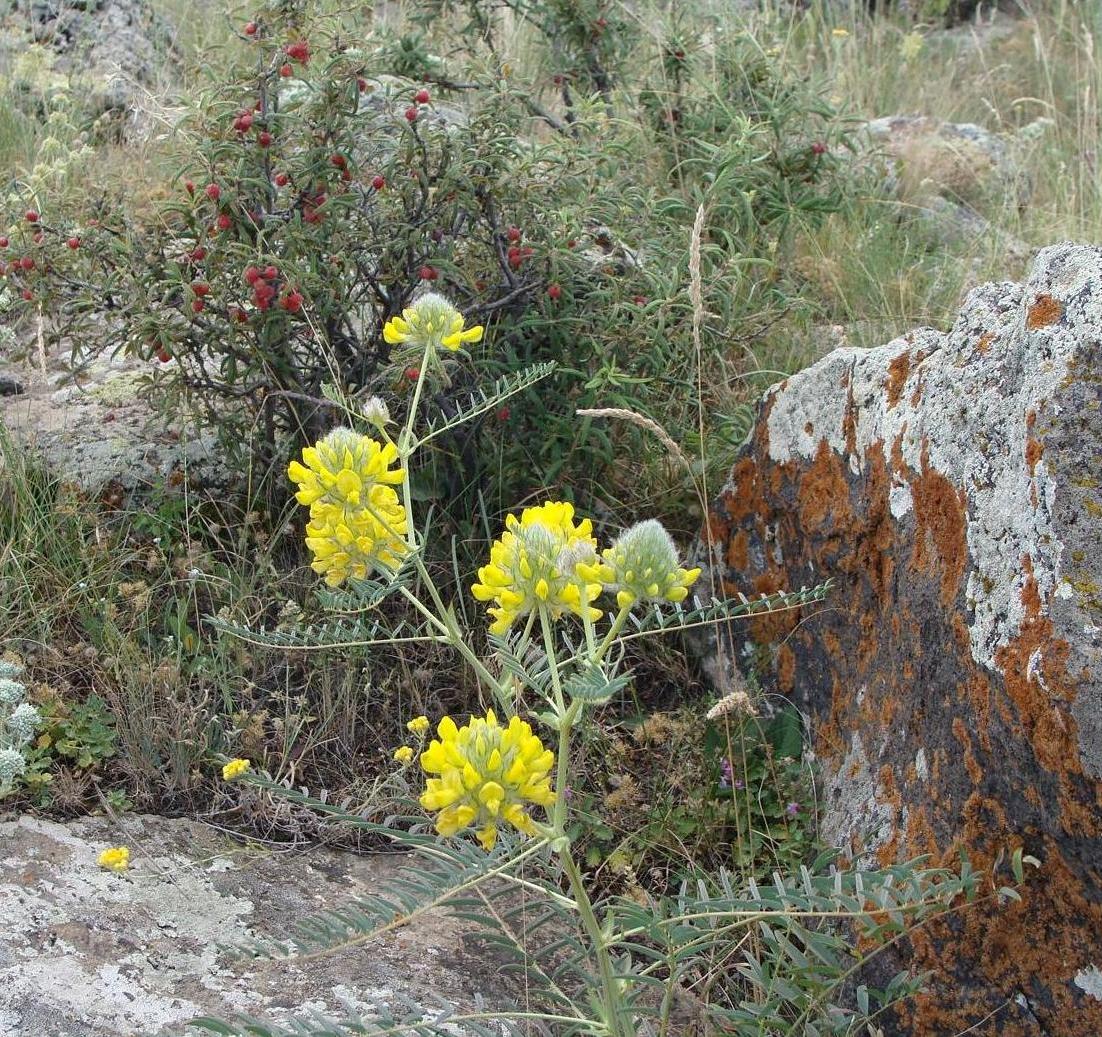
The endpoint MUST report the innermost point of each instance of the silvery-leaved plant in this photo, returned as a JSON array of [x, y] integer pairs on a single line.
[[19, 721]]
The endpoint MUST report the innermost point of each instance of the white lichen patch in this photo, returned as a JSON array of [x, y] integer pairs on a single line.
[[1089, 980]]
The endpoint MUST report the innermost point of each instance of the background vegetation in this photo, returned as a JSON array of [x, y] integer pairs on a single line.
[[597, 131]]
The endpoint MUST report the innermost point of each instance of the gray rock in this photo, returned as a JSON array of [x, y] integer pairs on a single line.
[[946, 172], [951, 485], [96, 428], [115, 46], [88, 953]]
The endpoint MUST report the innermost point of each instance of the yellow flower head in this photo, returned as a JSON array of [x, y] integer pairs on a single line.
[[418, 725], [235, 768], [839, 33], [116, 858], [343, 469], [356, 518], [642, 565], [542, 559], [431, 323], [486, 775], [403, 755]]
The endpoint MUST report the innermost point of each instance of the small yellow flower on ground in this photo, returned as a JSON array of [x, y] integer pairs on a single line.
[[115, 858], [839, 33], [403, 755], [540, 560], [235, 768], [418, 725], [486, 774], [431, 323]]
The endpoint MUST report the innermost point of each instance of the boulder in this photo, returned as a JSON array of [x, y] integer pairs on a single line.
[[950, 483], [89, 953], [116, 47], [95, 427]]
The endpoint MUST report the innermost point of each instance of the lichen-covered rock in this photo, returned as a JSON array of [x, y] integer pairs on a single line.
[[115, 47], [88, 953], [951, 484], [97, 429]]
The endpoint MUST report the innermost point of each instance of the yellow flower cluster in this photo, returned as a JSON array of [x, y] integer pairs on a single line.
[[403, 754], [486, 774], [642, 565], [431, 323], [545, 559], [235, 768], [115, 858], [356, 517], [542, 559]]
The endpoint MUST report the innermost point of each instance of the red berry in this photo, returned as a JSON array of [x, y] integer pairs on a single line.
[[286, 71], [250, 28], [271, 273], [412, 373], [513, 233], [224, 222], [411, 115], [555, 292], [602, 23], [264, 138], [27, 263], [189, 187], [163, 355], [298, 51], [196, 255], [428, 273], [338, 160], [558, 80], [200, 288], [818, 148], [422, 96], [197, 305], [291, 302], [238, 314], [639, 300], [378, 182], [243, 123], [3, 242], [571, 243], [361, 84], [28, 294], [252, 275], [214, 192], [31, 216], [503, 414], [282, 179]]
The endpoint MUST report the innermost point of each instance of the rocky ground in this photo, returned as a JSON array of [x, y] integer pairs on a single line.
[[88, 953]]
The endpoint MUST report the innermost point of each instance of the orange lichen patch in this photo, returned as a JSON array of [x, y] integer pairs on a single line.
[[822, 495], [984, 344], [1034, 449], [940, 544], [849, 421], [736, 551], [979, 696], [971, 764], [887, 791], [1045, 938], [898, 370], [1022, 661], [786, 669], [1044, 311]]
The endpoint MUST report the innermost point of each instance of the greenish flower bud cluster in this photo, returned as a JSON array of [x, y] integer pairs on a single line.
[[19, 721]]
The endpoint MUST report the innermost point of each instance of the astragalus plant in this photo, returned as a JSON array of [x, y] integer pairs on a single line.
[[747, 958]]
